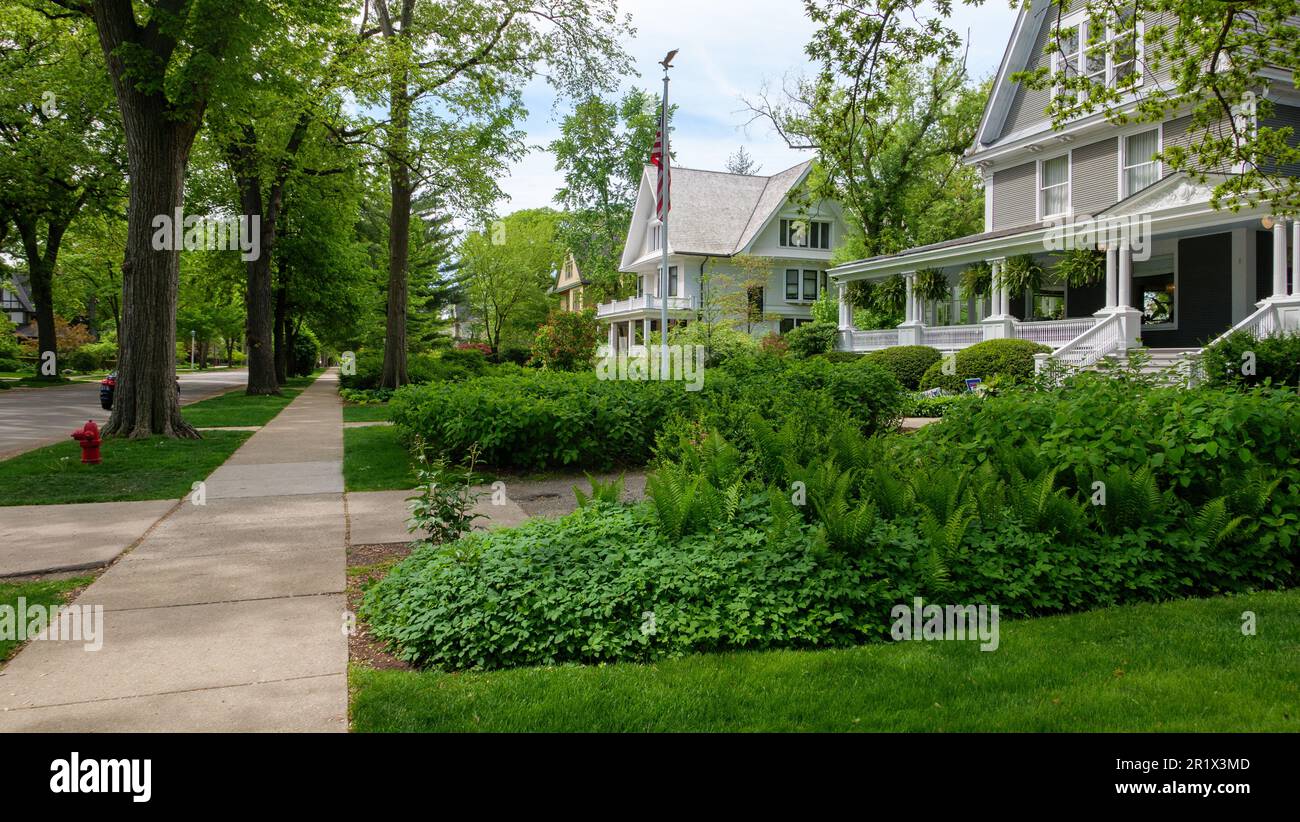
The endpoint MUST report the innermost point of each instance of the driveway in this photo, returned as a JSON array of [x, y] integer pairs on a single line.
[[32, 417]]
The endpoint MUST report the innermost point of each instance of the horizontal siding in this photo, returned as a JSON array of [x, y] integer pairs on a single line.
[[1095, 182], [1283, 116], [1013, 196], [1028, 105], [1181, 132]]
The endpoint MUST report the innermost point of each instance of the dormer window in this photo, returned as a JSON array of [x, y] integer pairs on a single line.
[[806, 234], [1107, 58]]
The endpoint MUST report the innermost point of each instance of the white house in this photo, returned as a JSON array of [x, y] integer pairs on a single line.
[[1184, 274], [716, 217]]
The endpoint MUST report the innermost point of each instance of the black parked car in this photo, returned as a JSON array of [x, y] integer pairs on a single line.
[[109, 384]]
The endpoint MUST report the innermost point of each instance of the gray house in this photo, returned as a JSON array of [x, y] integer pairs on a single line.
[[1179, 273]]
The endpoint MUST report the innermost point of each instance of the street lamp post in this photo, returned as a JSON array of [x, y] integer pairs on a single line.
[[191, 349]]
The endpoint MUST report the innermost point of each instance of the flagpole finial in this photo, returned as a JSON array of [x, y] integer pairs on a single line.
[[667, 62]]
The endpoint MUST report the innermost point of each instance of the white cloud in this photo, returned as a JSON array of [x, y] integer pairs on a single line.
[[728, 50]]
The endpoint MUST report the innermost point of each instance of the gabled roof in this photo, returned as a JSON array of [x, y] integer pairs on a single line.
[[718, 214], [1017, 56]]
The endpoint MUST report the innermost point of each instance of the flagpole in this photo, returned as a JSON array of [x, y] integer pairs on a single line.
[[663, 275]]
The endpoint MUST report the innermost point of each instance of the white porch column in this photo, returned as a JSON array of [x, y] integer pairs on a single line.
[[909, 304], [1124, 294], [1279, 257], [1295, 257], [613, 338], [645, 330], [999, 324], [1112, 276], [846, 310]]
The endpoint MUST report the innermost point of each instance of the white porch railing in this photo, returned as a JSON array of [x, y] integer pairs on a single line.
[[1055, 333], [643, 303], [952, 337], [1263, 323], [868, 340], [1105, 337]]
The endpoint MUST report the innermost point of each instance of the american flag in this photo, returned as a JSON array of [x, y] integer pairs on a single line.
[[660, 161]]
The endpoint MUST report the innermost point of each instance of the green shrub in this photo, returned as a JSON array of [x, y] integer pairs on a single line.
[[450, 365], [604, 585], [551, 419], [93, 356], [811, 339], [720, 340], [908, 363], [1272, 359], [567, 342], [1008, 359], [303, 355]]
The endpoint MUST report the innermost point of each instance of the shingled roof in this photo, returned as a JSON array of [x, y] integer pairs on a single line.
[[716, 213]]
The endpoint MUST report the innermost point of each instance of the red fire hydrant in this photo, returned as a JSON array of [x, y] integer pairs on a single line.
[[89, 439]]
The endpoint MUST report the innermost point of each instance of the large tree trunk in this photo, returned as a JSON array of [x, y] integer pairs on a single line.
[[145, 401], [399, 234], [40, 276], [281, 335], [262, 377]]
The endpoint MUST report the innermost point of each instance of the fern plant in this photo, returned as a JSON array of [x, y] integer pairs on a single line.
[[976, 280], [607, 492], [1021, 273], [930, 284], [1080, 267]]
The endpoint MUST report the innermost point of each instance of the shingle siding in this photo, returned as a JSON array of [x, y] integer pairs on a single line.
[[1095, 181], [1014, 193]]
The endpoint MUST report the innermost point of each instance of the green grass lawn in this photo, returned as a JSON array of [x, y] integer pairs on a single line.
[[154, 468], [373, 460], [236, 408], [51, 592], [1181, 666], [28, 381], [371, 412]]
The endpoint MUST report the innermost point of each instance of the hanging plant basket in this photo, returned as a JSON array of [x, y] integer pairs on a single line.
[[861, 294], [1081, 267], [1021, 273], [931, 284], [888, 296], [976, 280]]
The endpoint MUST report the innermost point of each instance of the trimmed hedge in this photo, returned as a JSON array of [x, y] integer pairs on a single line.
[[810, 339], [1008, 359], [908, 363], [550, 419]]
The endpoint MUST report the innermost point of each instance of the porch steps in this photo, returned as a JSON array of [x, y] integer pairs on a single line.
[[1171, 362]]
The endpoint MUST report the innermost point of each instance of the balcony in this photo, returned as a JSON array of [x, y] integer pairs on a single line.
[[634, 307]]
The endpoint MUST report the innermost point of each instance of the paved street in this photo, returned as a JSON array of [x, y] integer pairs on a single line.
[[32, 417]]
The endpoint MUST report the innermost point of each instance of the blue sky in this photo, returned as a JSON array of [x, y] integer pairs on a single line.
[[729, 49]]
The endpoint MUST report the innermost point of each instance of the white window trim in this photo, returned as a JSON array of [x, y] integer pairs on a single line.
[[785, 284], [1069, 186], [1178, 295], [1075, 20], [809, 247], [1122, 158]]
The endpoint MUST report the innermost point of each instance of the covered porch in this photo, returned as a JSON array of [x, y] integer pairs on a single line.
[[1170, 273]]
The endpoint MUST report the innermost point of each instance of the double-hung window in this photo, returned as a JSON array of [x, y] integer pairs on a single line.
[[801, 285], [792, 283], [1137, 154], [1106, 54], [805, 234], [1054, 187]]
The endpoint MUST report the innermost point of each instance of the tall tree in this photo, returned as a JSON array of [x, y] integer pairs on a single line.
[[602, 150], [890, 114], [507, 271], [165, 66], [742, 162], [60, 144], [469, 60]]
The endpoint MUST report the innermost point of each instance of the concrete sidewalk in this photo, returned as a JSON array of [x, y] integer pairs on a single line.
[[228, 616]]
